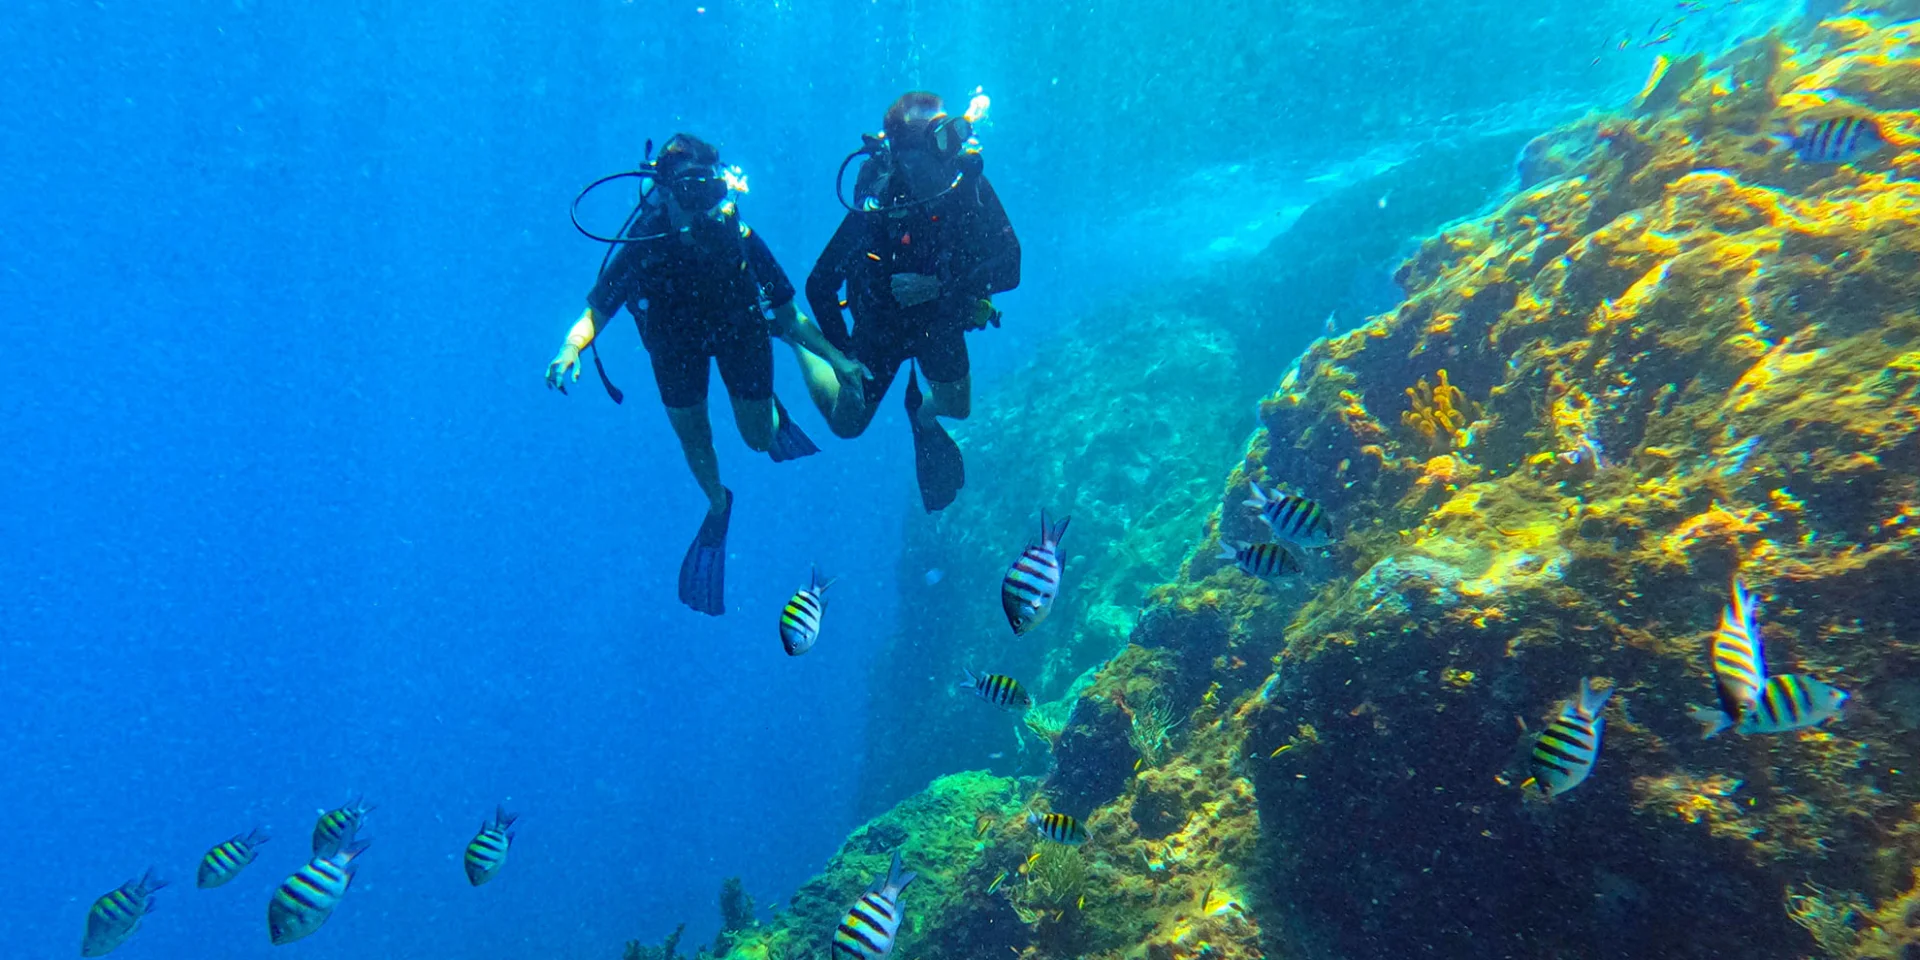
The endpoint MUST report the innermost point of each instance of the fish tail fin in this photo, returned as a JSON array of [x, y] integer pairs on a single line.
[[1593, 701], [151, 881], [354, 849], [257, 836], [819, 585], [1052, 532], [1711, 721], [1259, 498], [1229, 550], [897, 879]]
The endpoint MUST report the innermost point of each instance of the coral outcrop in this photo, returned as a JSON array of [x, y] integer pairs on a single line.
[[1677, 356]]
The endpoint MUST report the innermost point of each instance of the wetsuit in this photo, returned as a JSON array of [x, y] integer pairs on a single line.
[[963, 239], [696, 301]]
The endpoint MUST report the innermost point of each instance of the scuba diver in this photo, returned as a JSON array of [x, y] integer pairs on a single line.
[[704, 289], [921, 255]]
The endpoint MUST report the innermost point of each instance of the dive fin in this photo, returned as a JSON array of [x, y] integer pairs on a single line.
[[703, 574], [789, 441], [936, 458]]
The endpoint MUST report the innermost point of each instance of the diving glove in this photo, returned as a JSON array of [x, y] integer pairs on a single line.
[[984, 313], [568, 359]]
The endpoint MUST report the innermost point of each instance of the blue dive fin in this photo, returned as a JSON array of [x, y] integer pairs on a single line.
[[789, 441], [703, 574], [936, 458]]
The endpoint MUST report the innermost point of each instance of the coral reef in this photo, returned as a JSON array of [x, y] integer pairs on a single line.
[[1692, 356], [736, 913], [1125, 419], [667, 950]]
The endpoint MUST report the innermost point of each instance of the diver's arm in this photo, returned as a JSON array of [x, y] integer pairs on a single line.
[[999, 271], [586, 328], [791, 325], [829, 272]]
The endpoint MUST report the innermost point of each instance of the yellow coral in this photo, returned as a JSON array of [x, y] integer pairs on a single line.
[[1439, 414]]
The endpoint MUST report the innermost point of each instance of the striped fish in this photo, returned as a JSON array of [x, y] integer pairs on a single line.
[[1739, 666], [336, 828], [1564, 754], [1032, 583], [867, 932], [800, 621], [308, 897], [1292, 518], [1268, 561], [488, 851], [997, 689], [1835, 140], [116, 916], [225, 861], [1059, 828], [1787, 702]]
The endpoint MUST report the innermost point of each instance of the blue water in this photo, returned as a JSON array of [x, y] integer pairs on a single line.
[[289, 515]]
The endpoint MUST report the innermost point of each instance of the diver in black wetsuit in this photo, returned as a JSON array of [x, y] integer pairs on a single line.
[[705, 289], [921, 252]]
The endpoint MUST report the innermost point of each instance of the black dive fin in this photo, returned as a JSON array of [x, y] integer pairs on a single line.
[[789, 441], [936, 458], [703, 574]]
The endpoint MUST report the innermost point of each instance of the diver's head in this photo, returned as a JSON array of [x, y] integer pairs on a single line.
[[688, 171], [918, 121]]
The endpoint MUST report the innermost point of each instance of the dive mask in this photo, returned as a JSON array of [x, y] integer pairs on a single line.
[[699, 188]]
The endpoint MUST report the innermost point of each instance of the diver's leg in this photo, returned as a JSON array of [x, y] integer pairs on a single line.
[[944, 362], [746, 367], [682, 374], [823, 385], [695, 431], [951, 400]]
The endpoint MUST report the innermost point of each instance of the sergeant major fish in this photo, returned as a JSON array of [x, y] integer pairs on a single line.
[[336, 828], [117, 915], [1031, 584], [1293, 518], [998, 689], [487, 853], [1567, 748], [308, 897], [1787, 702], [226, 860], [1058, 827], [868, 930], [1739, 666], [1268, 561], [800, 620], [1835, 140]]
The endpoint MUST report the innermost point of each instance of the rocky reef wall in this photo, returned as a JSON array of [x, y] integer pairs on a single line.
[[1677, 357], [1124, 419]]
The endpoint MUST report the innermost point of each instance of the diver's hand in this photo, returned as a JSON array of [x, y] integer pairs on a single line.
[[850, 371], [568, 359], [983, 314], [914, 289]]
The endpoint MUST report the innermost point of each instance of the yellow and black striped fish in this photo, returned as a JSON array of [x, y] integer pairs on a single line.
[[1059, 828], [337, 827], [999, 690], [488, 851], [1032, 583], [226, 860], [1267, 561], [308, 897], [1739, 666], [867, 932], [1788, 702], [1564, 754], [800, 620], [1293, 518], [115, 916]]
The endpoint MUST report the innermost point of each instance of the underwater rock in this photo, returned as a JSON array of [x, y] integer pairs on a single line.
[[1123, 420], [1681, 358]]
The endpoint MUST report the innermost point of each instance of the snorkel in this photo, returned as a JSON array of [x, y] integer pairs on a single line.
[[942, 137]]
